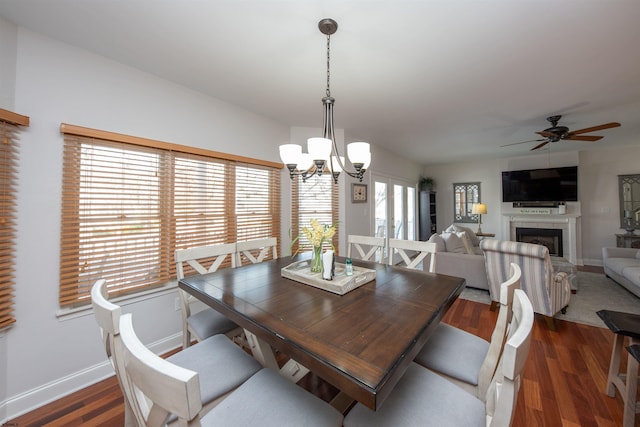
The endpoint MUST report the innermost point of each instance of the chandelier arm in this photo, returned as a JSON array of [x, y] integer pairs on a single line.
[[313, 170], [328, 26]]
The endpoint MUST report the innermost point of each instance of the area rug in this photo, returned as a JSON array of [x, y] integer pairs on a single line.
[[595, 292]]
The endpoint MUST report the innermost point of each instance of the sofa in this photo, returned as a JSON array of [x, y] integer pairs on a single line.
[[458, 254], [623, 266]]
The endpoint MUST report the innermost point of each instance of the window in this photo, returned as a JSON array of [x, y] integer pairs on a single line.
[[9, 149], [465, 194], [127, 207], [316, 198]]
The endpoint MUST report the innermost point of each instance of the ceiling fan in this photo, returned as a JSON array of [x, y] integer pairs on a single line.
[[556, 133]]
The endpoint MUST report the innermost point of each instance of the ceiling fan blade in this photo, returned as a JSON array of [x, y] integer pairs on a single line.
[[523, 142], [590, 138], [540, 145], [546, 134], [595, 128]]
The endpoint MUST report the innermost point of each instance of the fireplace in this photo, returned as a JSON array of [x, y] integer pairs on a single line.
[[549, 237]]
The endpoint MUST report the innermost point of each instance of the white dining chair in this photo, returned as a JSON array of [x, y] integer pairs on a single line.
[[412, 252], [256, 250], [465, 358], [107, 315], [207, 322], [424, 398], [366, 246], [265, 399], [222, 365]]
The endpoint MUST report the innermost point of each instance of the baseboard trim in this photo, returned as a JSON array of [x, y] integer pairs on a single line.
[[29, 400], [593, 262]]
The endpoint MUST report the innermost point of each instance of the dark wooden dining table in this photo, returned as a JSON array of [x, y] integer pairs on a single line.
[[360, 342]]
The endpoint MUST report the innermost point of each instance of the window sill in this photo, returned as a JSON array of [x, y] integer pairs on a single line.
[[64, 314]]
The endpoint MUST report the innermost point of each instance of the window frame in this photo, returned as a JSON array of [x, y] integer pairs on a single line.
[[180, 191]]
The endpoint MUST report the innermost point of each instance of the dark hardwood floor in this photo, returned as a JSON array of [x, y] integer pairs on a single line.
[[562, 385]]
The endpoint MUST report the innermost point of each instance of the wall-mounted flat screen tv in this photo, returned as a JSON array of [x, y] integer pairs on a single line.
[[541, 185]]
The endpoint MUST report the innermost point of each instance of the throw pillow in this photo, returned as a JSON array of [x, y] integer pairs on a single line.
[[453, 243], [468, 247], [439, 241], [475, 241]]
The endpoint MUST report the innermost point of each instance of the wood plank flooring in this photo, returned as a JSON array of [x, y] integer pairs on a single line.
[[563, 382]]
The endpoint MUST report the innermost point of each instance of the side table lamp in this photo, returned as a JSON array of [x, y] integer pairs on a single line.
[[479, 209]]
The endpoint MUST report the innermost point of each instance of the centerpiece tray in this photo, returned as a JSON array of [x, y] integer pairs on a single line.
[[300, 271]]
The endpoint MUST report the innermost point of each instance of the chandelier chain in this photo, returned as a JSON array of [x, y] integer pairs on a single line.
[[328, 62]]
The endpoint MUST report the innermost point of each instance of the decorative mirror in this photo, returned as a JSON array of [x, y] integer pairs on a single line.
[[465, 194], [629, 201]]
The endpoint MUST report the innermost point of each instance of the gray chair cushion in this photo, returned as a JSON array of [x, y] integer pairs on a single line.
[[455, 353], [422, 398], [269, 399], [209, 322], [221, 365]]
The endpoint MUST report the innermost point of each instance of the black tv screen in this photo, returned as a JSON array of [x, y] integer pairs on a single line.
[[541, 185]]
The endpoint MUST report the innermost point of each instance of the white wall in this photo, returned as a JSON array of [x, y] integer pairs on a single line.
[[598, 186], [8, 46], [46, 355]]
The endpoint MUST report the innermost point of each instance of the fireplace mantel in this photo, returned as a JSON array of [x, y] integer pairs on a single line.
[[568, 223]]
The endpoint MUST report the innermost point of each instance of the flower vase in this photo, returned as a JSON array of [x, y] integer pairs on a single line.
[[316, 259]]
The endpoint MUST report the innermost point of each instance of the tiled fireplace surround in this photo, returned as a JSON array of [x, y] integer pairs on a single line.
[[568, 223]]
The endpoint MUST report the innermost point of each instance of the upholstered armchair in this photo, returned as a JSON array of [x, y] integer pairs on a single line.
[[548, 291]]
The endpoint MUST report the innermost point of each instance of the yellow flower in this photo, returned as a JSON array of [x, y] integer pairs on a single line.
[[317, 233]]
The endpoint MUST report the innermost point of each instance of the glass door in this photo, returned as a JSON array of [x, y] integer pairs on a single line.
[[395, 209]]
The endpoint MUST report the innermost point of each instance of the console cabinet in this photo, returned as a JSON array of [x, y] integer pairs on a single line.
[[427, 214]]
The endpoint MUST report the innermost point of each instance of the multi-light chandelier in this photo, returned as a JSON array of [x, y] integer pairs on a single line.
[[323, 152]]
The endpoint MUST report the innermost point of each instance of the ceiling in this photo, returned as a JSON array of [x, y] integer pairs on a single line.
[[433, 80]]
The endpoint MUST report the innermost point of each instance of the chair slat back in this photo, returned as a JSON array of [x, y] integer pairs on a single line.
[[499, 335], [195, 257], [502, 394], [170, 389], [256, 250], [421, 250], [366, 246]]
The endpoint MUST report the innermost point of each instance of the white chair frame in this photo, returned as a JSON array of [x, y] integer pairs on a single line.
[[372, 243], [166, 389], [248, 247], [421, 248], [108, 316], [495, 348], [193, 257], [421, 397]]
